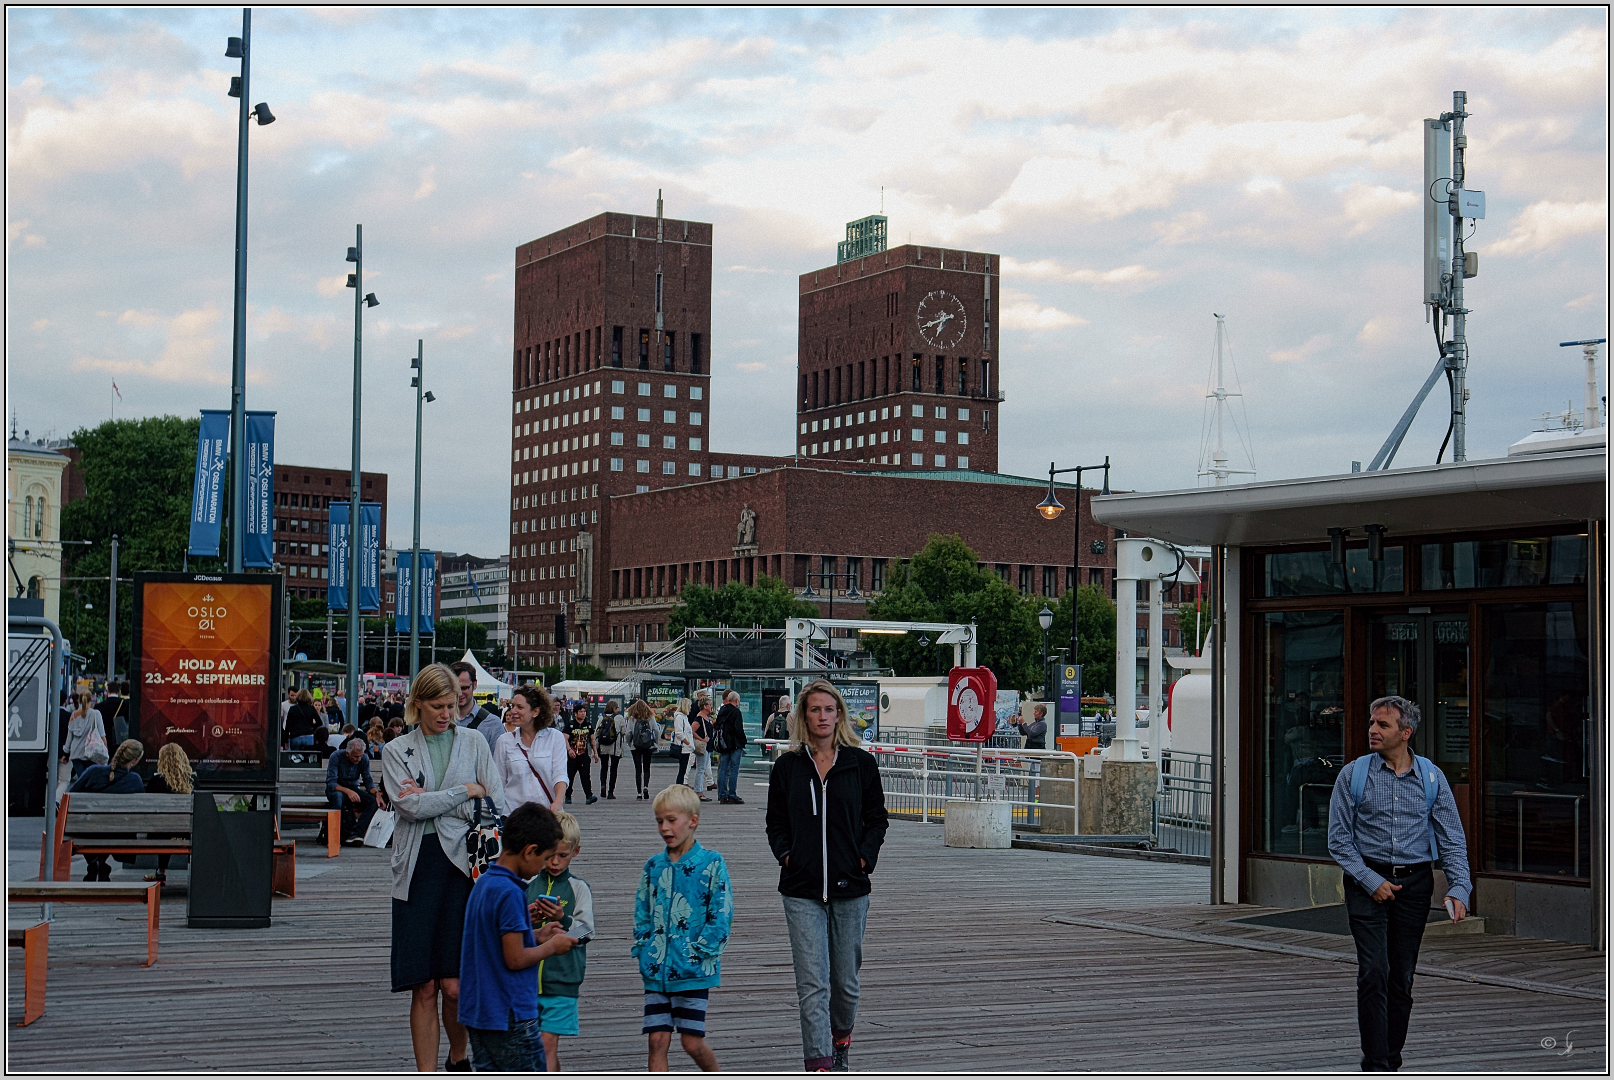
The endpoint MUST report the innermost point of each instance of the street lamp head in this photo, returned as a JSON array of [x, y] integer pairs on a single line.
[[370, 300], [235, 48], [235, 86], [430, 396], [353, 254], [414, 363], [924, 640], [353, 281], [1050, 507], [261, 111], [1045, 617], [1106, 490]]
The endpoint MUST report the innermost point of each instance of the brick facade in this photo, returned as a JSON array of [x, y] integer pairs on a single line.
[[303, 495]]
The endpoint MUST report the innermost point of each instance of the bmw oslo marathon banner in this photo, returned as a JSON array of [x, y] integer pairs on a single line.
[[259, 547], [208, 669], [369, 556], [336, 590], [207, 494], [428, 586]]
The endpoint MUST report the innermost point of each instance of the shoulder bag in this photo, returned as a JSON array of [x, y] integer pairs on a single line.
[[482, 839]]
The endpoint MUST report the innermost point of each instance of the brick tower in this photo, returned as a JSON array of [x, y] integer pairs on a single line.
[[897, 356]]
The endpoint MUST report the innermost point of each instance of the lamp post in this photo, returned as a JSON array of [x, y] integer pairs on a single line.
[[421, 397], [355, 624], [1045, 619], [1050, 508], [850, 592], [240, 87]]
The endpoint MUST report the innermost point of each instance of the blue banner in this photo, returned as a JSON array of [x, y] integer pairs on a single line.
[[258, 548], [336, 589], [428, 589], [369, 556], [207, 493]]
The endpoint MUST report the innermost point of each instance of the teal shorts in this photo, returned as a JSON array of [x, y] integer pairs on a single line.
[[557, 1015]]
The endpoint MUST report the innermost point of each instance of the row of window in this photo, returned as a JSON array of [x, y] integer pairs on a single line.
[[555, 521], [669, 349], [880, 439], [552, 596], [555, 498], [888, 413], [883, 375], [618, 386]]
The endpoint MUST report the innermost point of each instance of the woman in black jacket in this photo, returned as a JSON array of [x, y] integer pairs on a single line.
[[826, 822]]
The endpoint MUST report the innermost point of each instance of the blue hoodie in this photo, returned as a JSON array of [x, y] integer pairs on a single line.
[[681, 920]]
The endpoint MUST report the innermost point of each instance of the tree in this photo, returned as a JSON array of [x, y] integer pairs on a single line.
[[1095, 629], [137, 484], [768, 604], [1194, 620], [945, 583], [583, 672]]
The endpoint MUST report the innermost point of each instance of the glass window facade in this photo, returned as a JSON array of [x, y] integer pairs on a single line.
[[1536, 802], [1490, 564], [1314, 573], [1302, 733]]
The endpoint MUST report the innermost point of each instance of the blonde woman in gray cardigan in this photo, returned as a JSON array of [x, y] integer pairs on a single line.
[[433, 773]]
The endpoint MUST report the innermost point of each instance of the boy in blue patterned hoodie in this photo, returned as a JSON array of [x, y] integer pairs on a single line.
[[681, 921]]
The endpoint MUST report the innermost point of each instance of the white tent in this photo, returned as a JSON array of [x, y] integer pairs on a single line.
[[485, 683]]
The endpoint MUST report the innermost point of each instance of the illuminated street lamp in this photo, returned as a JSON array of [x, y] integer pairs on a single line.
[[1050, 508]]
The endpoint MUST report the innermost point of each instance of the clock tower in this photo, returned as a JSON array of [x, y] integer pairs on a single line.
[[896, 356]]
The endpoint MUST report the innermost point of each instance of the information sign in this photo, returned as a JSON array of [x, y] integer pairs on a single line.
[[862, 707]]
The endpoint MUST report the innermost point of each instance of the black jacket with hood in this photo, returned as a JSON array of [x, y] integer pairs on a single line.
[[826, 826]]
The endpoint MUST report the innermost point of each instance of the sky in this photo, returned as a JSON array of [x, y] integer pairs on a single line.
[[1136, 170]]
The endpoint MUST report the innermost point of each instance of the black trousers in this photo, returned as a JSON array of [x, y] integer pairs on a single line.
[[609, 763], [1388, 937], [576, 766], [355, 815], [683, 767], [641, 770]]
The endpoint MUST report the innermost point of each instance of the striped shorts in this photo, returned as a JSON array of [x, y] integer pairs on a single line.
[[683, 1012]]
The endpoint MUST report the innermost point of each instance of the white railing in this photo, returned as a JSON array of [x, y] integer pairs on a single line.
[[1183, 809], [919, 780]]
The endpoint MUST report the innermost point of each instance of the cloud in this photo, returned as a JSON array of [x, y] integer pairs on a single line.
[[1590, 300], [749, 270], [428, 183], [1366, 205], [1376, 331], [1130, 277], [191, 349], [751, 367], [1301, 353], [1543, 226], [1022, 312]]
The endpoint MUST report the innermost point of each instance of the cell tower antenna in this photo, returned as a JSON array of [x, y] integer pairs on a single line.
[[1219, 393], [1592, 418], [1446, 205]]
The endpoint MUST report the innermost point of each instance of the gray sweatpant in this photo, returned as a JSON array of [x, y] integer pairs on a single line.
[[826, 947]]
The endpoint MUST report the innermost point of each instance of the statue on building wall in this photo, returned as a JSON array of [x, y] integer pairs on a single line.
[[746, 534]]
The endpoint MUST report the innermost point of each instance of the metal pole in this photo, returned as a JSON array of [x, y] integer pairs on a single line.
[[328, 635], [355, 631], [1597, 626], [1076, 577], [1458, 350], [414, 569], [112, 617], [1218, 719], [238, 349]]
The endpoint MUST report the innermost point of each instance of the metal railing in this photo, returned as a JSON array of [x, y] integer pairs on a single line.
[[1182, 813], [919, 779]]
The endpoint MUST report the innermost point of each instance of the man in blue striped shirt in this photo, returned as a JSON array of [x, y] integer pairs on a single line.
[[1382, 842]]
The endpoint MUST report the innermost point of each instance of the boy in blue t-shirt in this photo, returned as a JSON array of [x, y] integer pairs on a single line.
[[498, 992]]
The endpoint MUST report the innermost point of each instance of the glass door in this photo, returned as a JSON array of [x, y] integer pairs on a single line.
[[1424, 658]]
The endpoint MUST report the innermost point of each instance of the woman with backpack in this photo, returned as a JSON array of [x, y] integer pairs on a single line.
[[611, 736], [643, 734], [85, 744], [532, 758]]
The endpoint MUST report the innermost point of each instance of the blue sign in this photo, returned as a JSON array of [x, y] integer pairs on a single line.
[[258, 547], [207, 493], [369, 556], [336, 591], [428, 588]]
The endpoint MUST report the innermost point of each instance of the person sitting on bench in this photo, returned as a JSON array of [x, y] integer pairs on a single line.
[[115, 778], [350, 790]]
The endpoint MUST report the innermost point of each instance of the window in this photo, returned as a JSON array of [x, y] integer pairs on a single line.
[[695, 357], [1048, 580], [667, 353], [717, 472], [941, 412], [860, 418], [919, 411], [640, 488], [941, 436], [1300, 720], [963, 463], [694, 466], [838, 443], [669, 442], [804, 450], [803, 430], [815, 427], [616, 438], [826, 572], [917, 435], [694, 444], [734, 470], [643, 439], [669, 416], [616, 355], [669, 468], [644, 352], [837, 423], [941, 461], [641, 466], [854, 573], [918, 459], [618, 386], [670, 390], [885, 437], [1314, 573], [916, 376], [876, 574], [963, 438], [643, 416], [1489, 564], [1537, 780], [696, 392]]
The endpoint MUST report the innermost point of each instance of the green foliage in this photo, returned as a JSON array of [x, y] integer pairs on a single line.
[[1095, 628], [944, 583], [313, 608], [580, 671], [768, 604], [137, 484], [1194, 618]]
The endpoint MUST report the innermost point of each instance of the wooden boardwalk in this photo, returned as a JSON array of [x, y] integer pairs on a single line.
[[965, 968]]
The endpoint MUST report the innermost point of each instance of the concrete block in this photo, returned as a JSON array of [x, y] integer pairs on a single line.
[[1058, 787], [1556, 912], [1129, 788], [971, 824]]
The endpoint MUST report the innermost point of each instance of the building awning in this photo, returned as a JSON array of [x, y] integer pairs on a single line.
[[1504, 493]]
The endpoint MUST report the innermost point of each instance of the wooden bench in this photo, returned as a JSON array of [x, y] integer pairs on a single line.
[[97, 892], [34, 941], [302, 798], [100, 824]]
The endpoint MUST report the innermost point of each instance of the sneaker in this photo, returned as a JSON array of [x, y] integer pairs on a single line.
[[843, 1052], [592, 799], [462, 1065]]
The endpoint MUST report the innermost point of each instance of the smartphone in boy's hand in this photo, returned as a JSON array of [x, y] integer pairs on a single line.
[[543, 909]]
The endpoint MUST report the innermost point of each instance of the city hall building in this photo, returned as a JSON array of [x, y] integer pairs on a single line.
[[1475, 590], [618, 498]]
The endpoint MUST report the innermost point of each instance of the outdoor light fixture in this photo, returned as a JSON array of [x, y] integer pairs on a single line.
[[1375, 542], [874, 630], [233, 49], [261, 111], [352, 280], [924, 640], [1045, 618], [370, 300], [430, 396], [1051, 507], [353, 254], [1336, 545], [235, 86]]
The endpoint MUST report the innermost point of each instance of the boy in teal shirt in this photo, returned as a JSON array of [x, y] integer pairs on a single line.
[[681, 921], [558, 894]]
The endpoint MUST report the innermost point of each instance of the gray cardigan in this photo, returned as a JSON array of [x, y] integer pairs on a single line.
[[444, 801]]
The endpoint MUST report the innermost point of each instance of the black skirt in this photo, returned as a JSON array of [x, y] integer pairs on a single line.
[[426, 928]]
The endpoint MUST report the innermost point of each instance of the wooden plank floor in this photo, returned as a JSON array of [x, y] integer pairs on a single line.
[[963, 970]]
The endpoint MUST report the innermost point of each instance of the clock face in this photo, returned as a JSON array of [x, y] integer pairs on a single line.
[[941, 319]]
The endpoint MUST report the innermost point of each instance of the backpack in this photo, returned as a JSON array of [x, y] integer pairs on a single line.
[[644, 735], [719, 741], [1431, 788], [607, 732]]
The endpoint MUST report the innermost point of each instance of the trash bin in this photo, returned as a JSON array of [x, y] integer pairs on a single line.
[[232, 860]]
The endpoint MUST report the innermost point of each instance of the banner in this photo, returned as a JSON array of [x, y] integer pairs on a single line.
[[428, 589], [369, 556], [207, 492], [208, 670], [258, 546], [862, 707], [336, 591]]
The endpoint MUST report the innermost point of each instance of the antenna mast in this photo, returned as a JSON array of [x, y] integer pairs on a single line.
[[1219, 394]]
